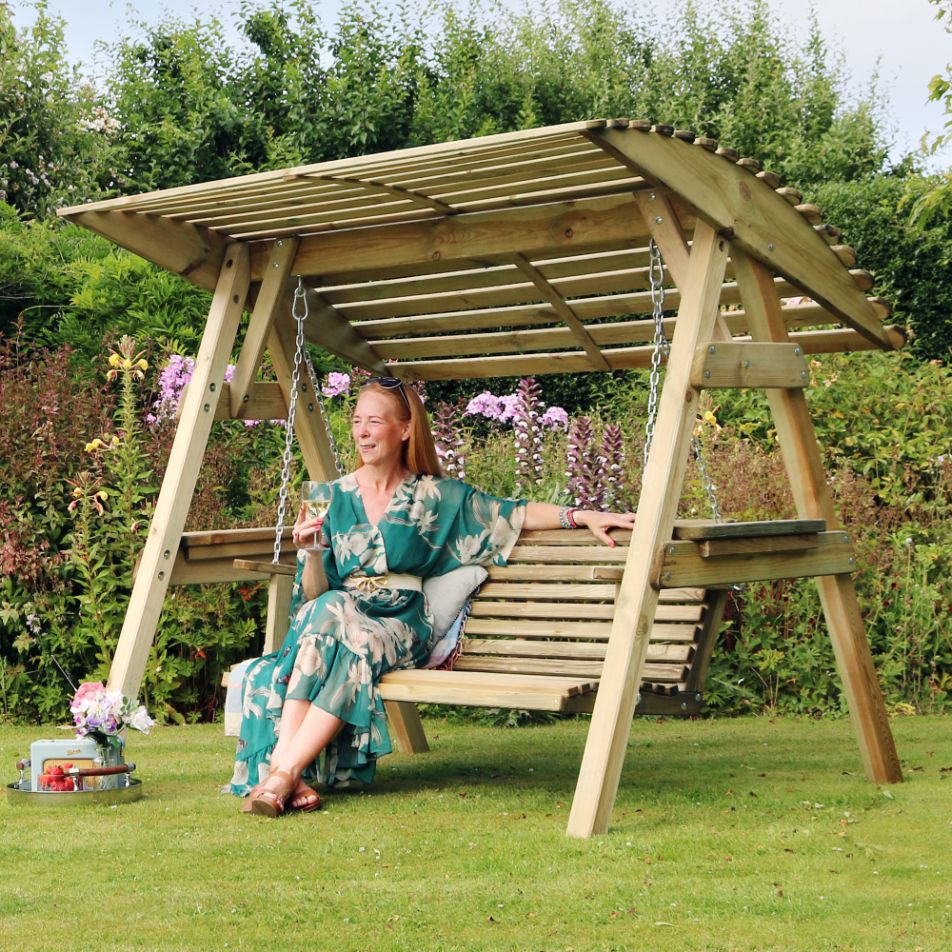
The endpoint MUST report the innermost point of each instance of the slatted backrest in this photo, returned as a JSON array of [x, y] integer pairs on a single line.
[[550, 611]]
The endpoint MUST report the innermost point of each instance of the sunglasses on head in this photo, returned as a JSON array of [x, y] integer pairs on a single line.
[[388, 383]]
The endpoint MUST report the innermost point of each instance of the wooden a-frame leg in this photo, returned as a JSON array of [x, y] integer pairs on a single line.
[[181, 474], [279, 609], [637, 600], [801, 453], [404, 720]]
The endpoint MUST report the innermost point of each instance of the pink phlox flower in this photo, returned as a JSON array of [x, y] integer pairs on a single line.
[[484, 404], [175, 375], [336, 385], [509, 403], [555, 417]]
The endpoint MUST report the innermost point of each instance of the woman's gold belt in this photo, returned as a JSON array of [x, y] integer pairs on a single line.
[[370, 583]]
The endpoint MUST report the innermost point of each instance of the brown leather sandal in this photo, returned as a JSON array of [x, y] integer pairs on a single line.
[[303, 789], [250, 795], [312, 803], [271, 803]]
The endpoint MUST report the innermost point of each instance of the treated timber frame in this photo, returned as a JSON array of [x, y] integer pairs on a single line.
[[525, 253]]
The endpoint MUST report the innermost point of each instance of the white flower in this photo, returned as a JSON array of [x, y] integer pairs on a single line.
[[139, 720]]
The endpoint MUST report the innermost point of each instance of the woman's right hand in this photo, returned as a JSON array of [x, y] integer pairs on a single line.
[[306, 530]]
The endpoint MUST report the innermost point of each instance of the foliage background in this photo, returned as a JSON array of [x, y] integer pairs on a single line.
[[179, 103]]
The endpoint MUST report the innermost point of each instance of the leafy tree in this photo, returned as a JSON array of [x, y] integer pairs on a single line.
[[55, 133], [169, 93], [64, 284], [911, 267], [936, 201]]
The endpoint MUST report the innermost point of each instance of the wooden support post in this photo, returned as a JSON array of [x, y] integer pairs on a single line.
[[637, 599], [270, 297], [279, 611], [811, 493], [404, 721], [185, 460]]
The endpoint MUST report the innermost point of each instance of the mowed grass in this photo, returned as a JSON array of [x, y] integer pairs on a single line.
[[745, 834]]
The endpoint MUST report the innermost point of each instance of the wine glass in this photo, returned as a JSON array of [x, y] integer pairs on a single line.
[[316, 509]]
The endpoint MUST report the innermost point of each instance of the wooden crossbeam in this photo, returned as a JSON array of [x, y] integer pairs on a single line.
[[559, 226], [735, 364], [685, 563], [270, 296], [326, 328], [193, 252], [564, 310]]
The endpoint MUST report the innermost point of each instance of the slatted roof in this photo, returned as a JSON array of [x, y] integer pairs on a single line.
[[521, 253]]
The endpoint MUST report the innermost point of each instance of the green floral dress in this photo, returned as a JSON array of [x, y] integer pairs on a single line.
[[340, 644]]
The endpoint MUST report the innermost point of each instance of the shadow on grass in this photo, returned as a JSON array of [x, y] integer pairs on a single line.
[[666, 761]]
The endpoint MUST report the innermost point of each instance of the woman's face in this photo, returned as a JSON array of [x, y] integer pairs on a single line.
[[378, 432]]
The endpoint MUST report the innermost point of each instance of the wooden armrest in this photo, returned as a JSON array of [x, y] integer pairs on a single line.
[[703, 529], [265, 568]]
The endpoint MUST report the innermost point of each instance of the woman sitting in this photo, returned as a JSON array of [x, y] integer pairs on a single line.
[[359, 609]]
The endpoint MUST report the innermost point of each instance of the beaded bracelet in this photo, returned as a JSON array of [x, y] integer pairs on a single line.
[[567, 517]]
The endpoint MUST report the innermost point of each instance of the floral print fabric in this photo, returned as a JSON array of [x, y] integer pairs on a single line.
[[340, 644]]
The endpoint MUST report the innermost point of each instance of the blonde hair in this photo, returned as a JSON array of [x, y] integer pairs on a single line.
[[419, 450]]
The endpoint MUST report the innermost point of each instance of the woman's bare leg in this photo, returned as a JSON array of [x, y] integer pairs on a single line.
[[292, 716], [317, 729]]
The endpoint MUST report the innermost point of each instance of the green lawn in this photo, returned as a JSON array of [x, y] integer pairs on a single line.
[[742, 834]]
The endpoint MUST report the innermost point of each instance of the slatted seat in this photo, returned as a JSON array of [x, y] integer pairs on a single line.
[[537, 629], [543, 621]]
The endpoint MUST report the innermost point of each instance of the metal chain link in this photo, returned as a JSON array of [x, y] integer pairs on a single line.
[[662, 348], [710, 490], [299, 312], [661, 345]]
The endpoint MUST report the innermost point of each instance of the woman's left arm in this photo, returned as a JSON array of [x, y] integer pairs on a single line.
[[545, 515]]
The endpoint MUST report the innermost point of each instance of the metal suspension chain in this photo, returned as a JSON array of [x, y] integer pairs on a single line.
[[299, 312], [662, 348], [661, 345], [710, 490]]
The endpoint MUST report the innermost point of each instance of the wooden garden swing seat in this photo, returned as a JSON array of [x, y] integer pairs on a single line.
[[529, 253], [538, 628]]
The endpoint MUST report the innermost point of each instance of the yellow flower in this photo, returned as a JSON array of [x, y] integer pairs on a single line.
[[114, 360], [93, 445], [127, 364], [115, 441], [102, 494], [709, 417], [143, 364], [77, 492]]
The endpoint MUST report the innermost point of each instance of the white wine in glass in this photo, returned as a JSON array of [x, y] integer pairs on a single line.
[[316, 509]]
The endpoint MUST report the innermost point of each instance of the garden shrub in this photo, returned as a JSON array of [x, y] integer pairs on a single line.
[[911, 266]]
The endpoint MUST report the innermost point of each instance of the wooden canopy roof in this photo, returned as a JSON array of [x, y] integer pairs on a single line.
[[523, 253]]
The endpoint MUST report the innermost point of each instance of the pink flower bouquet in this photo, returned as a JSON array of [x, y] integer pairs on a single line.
[[102, 714]]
